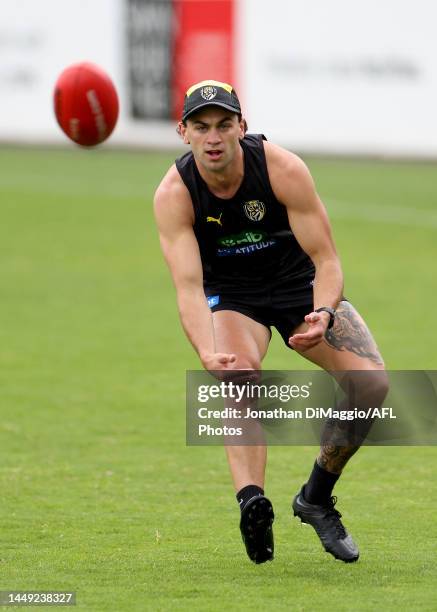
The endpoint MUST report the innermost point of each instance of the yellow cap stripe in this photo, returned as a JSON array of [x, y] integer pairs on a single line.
[[225, 86]]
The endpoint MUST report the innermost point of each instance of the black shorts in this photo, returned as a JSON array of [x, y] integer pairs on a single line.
[[276, 306]]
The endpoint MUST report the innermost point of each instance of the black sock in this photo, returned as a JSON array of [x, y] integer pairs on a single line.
[[318, 489], [247, 493]]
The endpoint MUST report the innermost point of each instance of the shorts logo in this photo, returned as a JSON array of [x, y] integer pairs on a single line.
[[255, 210], [213, 300], [208, 92]]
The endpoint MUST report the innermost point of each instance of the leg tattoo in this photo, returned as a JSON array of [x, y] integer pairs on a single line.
[[335, 449], [350, 333], [333, 458], [342, 438]]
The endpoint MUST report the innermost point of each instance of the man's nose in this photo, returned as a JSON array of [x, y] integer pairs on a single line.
[[214, 136]]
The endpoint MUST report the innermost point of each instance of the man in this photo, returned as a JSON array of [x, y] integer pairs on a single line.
[[249, 246]]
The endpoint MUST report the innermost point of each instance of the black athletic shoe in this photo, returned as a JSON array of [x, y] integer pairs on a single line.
[[256, 529], [326, 521]]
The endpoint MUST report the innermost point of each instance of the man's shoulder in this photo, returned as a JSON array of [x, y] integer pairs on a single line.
[[172, 195], [279, 157], [282, 164], [171, 184], [289, 176], [254, 139], [184, 160]]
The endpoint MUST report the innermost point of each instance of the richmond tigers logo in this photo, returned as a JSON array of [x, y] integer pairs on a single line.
[[208, 92], [254, 209]]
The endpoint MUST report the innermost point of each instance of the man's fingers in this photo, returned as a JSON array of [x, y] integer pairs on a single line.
[[307, 340], [310, 335], [225, 358], [313, 335], [303, 346], [312, 317]]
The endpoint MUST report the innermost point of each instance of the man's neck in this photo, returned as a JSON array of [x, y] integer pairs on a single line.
[[225, 184]]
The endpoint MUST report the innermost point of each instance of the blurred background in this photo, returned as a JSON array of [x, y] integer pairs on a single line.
[[99, 491], [335, 77]]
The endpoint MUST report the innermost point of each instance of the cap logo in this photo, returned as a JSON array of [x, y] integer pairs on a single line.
[[208, 92]]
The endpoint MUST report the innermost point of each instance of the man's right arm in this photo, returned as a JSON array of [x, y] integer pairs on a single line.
[[175, 217]]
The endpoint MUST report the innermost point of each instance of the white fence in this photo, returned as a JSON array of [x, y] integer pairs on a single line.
[[329, 77]]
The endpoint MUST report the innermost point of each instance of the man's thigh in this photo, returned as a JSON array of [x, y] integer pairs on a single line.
[[236, 333], [349, 345]]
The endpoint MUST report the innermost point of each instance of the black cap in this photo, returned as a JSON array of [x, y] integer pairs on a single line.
[[210, 93]]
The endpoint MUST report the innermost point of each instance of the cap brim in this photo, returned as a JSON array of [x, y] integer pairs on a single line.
[[210, 103]]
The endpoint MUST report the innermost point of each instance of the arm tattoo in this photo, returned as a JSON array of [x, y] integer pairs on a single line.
[[350, 333]]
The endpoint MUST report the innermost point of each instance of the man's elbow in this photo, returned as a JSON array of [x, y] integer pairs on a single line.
[[331, 261], [187, 295]]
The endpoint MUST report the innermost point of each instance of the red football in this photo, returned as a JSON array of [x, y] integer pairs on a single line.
[[86, 104]]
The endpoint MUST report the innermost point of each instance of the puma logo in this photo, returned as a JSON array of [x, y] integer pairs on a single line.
[[214, 220]]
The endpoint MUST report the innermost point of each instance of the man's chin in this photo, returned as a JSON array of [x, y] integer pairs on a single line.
[[216, 165]]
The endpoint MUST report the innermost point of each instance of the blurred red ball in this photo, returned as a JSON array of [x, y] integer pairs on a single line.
[[86, 104]]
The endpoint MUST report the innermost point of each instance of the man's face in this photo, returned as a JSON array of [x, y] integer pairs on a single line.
[[214, 134]]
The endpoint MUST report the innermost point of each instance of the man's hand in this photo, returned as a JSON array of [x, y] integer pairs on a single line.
[[222, 367], [218, 361], [317, 325]]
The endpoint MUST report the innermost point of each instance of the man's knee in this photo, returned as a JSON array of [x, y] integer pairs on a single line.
[[380, 386], [366, 388], [374, 387]]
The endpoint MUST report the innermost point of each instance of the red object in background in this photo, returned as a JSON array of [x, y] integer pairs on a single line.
[[202, 46], [86, 104]]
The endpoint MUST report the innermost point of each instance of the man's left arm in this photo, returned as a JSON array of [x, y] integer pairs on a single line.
[[294, 187]]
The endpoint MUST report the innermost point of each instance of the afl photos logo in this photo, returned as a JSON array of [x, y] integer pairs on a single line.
[[255, 210], [208, 92]]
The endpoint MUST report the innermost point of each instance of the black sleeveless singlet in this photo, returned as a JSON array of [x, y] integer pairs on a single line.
[[245, 241]]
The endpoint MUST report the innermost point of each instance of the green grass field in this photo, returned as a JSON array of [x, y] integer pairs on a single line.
[[99, 493]]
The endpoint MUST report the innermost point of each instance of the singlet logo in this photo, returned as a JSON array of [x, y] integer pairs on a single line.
[[255, 210], [246, 237], [208, 92], [214, 220]]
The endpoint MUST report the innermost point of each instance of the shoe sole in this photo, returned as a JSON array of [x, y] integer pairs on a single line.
[[351, 560], [257, 523]]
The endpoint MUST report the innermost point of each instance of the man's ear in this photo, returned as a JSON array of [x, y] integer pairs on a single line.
[[243, 129], [182, 129]]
